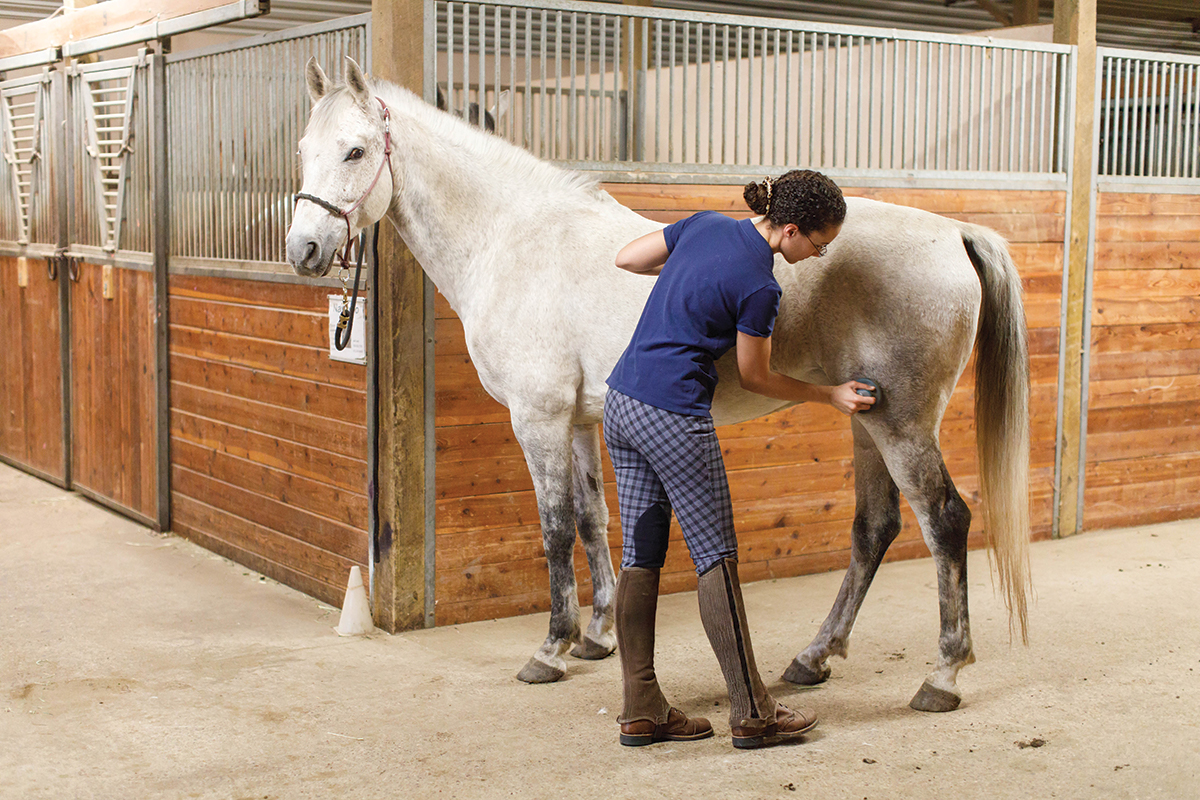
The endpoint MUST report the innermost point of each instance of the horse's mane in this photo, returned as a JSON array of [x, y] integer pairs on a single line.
[[512, 163]]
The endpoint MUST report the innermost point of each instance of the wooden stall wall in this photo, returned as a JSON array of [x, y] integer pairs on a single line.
[[31, 431], [268, 434], [113, 368], [791, 474], [1143, 424]]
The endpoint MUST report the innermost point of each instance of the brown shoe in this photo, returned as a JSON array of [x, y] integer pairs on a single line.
[[679, 727], [788, 724]]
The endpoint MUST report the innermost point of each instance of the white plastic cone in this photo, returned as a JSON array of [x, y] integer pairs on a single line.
[[356, 611]]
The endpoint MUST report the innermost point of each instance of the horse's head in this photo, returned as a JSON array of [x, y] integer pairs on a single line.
[[343, 157]]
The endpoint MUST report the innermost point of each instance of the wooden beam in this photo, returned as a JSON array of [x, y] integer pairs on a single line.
[[102, 19], [1075, 23], [402, 592], [1025, 12], [1001, 16]]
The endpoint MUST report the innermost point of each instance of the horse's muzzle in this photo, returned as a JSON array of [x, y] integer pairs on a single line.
[[308, 258]]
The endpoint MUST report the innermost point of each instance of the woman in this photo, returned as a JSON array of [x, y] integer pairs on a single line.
[[715, 289]]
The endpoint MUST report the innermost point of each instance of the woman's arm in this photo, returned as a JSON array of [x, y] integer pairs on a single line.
[[754, 370], [645, 255]]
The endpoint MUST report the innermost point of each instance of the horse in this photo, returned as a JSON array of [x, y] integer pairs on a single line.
[[524, 253], [471, 112]]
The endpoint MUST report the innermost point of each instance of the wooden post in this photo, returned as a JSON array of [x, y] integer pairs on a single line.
[[1075, 23], [402, 598], [635, 83], [1025, 12]]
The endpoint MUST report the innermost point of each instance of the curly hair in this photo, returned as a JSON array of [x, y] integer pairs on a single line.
[[805, 198]]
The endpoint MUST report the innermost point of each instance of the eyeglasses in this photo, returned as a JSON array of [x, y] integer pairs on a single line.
[[820, 248]]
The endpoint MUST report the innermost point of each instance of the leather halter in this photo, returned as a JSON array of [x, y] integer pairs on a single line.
[[331, 208]]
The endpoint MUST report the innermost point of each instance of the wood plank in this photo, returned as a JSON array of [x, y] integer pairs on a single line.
[[292, 521], [1037, 256], [1132, 504], [1143, 391], [318, 465], [340, 505], [312, 571], [1144, 311], [89, 21], [1143, 418], [1146, 255], [1123, 366], [1158, 284], [1144, 338], [1147, 228], [1103, 515], [297, 394], [309, 328], [1137, 471], [1147, 204], [307, 429], [262, 294], [1123, 445], [296, 361]]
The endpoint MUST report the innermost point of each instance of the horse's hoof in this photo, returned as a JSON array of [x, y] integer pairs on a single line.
[[539, 672], [592, 650], [931, 698], [799, 673]]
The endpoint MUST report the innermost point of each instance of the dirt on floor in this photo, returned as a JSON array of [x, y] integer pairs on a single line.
[[136, 665]]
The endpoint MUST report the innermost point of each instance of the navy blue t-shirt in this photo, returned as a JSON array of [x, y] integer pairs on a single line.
[[717, 280]]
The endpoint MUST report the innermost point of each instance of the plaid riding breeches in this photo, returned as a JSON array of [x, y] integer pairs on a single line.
[[666, 461]]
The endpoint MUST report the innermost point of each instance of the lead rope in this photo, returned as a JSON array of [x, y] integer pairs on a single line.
[[345, 324]]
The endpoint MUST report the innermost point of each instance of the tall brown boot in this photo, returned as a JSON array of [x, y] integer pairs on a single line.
[[755, 717], [647, 717]]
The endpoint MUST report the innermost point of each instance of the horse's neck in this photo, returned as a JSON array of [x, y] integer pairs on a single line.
[[454, 184]]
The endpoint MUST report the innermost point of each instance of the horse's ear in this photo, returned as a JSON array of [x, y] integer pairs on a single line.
[[441, 100], [318, 84], [503, 102], [357, 81]]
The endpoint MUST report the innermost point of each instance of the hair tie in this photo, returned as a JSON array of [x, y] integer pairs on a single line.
[[768, 183]]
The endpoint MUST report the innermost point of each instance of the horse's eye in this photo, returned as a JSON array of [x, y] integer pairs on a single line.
[[355, 154]]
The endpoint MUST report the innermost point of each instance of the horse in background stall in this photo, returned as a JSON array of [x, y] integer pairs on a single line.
[[524, 251], [471, 112]]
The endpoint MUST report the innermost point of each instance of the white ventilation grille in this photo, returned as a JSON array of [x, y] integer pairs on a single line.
[[109, 104], [22, 110]]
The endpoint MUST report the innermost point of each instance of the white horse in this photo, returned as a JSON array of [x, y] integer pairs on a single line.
[[524, 253]]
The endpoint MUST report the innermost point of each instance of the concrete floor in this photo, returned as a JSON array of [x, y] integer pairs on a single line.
[[136, 665]]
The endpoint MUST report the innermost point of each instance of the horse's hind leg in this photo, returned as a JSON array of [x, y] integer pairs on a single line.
[[876, 524], [591, 518], [547, 446], [945, 522]]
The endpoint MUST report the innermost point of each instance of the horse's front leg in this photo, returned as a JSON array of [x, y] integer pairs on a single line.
[[591, 518], [547, 445], [876, 524]]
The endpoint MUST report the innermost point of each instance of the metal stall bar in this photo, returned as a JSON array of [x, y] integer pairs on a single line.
[[842, 68]]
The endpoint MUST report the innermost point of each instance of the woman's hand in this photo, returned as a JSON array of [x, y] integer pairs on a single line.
[[847, 400]]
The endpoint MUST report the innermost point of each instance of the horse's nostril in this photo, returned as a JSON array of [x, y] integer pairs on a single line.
[[310, 252]]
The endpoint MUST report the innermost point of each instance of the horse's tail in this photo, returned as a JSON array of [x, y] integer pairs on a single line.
[[1002, 417]]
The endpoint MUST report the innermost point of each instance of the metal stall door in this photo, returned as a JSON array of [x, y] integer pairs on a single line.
[[115, 409], [32, 291]]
